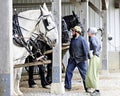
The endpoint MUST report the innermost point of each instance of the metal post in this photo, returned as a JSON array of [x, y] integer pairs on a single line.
[[57, 84], [6, 58]]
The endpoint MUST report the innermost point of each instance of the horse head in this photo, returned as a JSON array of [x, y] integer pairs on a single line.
[[47, 27], [72, 21], [65, 33], [39, 23]]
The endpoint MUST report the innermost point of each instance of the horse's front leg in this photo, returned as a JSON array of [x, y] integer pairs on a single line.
[[17, 77]]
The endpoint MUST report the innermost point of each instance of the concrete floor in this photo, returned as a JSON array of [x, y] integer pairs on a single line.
[[109, 86]]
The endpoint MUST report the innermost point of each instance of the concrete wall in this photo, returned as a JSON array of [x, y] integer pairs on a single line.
[[114, 61]]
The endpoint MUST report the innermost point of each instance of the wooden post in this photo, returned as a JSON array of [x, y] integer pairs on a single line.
[[95, 9], [57, 86], [104, 43], [6, 57], [84, 15], [105, 38]]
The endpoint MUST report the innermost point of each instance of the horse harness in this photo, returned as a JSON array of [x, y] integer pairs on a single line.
[[19, 40]]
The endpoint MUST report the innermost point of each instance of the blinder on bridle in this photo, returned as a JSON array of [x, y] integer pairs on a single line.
[[45, 22], [47, 26]]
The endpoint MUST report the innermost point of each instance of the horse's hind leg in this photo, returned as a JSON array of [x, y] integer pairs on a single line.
[[18, 72]]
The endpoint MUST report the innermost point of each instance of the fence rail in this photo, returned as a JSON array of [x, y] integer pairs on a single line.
[[64, 46]]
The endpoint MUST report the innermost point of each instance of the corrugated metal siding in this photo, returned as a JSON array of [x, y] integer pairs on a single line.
[[22, 5], [94, 18], [67, 9], [113, 23]]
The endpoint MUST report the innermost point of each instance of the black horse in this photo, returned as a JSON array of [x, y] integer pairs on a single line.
[[45, 79], [43, 47]]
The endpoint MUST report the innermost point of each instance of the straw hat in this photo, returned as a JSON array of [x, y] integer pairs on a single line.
[[77, 29]]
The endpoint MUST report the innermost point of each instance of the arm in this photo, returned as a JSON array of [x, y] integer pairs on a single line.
[[85, 49]]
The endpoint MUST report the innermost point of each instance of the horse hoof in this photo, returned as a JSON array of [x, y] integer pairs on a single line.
[[33, 86], [47, 86], [19, 93], [15, 94]]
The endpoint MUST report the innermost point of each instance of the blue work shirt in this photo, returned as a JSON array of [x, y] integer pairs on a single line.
[[78, 49], [95, 45]]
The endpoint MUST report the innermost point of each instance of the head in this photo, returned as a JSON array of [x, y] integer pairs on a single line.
[[71, 20], [47, 26], [65, 33], [76, 31], [92, 31]]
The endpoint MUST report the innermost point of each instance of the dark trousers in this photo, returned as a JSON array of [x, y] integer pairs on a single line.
[[82, 67]]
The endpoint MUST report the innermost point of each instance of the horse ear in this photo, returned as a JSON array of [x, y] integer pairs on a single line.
[[73, 13], [45, 7], [43, 11]]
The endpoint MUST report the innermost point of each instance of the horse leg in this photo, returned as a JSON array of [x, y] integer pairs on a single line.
[[18, 72], [63, 68], [14, 92], [49, 73], [44, 82], [31, 81]]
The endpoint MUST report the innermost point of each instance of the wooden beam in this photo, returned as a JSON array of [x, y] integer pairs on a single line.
[[50, 51], [83, 0], [104, 4], [95, 9], [117, 3], [28, 5], [72, 1], [32, 64], [65, 46], [32, 5]]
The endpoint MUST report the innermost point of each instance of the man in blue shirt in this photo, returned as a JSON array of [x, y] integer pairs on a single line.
[[78, 55]]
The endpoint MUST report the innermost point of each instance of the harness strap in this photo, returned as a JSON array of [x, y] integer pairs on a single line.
[[19, 39]]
